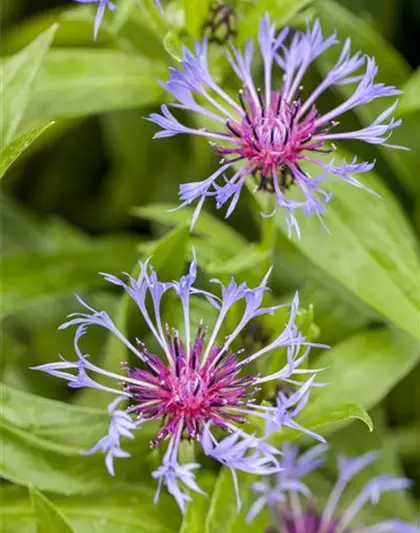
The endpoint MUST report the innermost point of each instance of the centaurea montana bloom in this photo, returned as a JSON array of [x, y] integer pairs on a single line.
[[270, 133], [200, 388], [102, 6], [291, 515]]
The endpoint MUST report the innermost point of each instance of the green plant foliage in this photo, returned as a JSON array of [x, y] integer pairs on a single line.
[[105, 80], [222, 513], [33, 277], [196, 513], [19, 73], [368, 252], [351, 365], [13, 150], [410, 101], [393, 70], [131, 512], [87, 189], [324, 420], [353, 441], [209, 227], [196, 13], [41, 445], [280, 11], [48, 518]]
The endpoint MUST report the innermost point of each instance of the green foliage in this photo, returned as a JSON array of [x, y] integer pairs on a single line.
[[353, 441], [34, 277], [104, 80], [195, 515], [131, 512], [15, 149], [393, 70], [281, 12], [48, 517], [370, 251], [323, 420], [196, 14], [86, 189], [365, 367], [410, 101], [19, 73], [222, 512], [216, 232]]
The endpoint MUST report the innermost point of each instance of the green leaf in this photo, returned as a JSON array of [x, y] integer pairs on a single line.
[[126, 9], [18, 75], [348, 317], [399, 402], [223, 516], [280, 13], [51, 420], [405, 440], [250, 257], [168, 253], [32, 277], [392, 70], [197, 509], [365, 368], [410, 99], [123, 511], [355, 440], [173, 45], [48, 518], [41, 441], [220, 234], [196, 13], [392, 67], [14, 149], [371, 250], [383, 16], [323, 420], [154, 17], [103, 80]]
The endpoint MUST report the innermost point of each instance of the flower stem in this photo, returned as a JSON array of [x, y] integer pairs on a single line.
[[268, 229], [187, 452]]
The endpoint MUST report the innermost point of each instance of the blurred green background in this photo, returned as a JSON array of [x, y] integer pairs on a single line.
[[85, 189]]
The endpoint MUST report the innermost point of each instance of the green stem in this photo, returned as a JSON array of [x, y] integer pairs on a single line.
[[268, 229], [187, 451]]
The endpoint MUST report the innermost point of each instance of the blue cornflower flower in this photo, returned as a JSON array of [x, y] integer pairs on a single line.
[[291, 516], [196, 385], [269, 133]]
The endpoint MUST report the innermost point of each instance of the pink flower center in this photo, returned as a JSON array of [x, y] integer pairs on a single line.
[[189, 391], [309, 522], [272, 140]]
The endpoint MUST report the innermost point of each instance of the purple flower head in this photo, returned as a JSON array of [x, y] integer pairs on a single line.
[[284, 495], [269, 134], [193, 382]]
